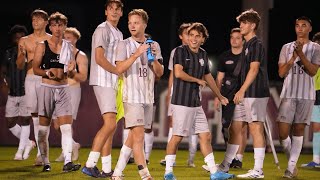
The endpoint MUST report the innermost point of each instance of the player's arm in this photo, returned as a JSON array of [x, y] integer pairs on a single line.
[[82, 62], [309, 67], [212, 85], [38, 55], [21, 57], [123, 62], [179, 73], [102, 61]]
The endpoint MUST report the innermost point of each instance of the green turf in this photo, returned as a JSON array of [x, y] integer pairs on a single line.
[[10, 169]]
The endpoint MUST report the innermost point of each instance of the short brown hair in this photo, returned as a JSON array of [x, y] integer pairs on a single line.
[[251, 16], [40, 13], [57, 16], [182, 27], [117, 2], [200, 28]]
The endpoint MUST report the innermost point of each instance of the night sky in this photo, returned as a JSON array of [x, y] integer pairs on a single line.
[[164, 21]]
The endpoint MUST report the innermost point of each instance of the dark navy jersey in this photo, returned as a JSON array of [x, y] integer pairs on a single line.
[[50, 59]]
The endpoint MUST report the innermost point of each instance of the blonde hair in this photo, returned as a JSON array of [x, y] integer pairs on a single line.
[[74, 31]]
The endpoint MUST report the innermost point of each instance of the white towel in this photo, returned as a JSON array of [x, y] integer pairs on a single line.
[[66, 54]]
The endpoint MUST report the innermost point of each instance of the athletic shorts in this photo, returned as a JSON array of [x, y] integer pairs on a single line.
[[137, 114], [188, 120], [251, 110], [106, 98], [17, 106], [55, 99], [32, 84], [295, 110]]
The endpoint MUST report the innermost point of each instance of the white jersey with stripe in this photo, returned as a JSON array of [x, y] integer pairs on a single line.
[[298, 84], [107, 37], [139, 79]]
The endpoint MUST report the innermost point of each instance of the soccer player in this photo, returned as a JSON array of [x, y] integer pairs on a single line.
[[16, 107], [75, 77], [191, 70], [298, 63], [252, 97], [27, 45], [193, 138], [53, 60], [139, 76], [103, 78]]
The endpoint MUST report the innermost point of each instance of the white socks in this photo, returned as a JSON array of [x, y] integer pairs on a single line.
[[170, 159], [44, 143], [286, 145], [106, 163], [36, 130], [296, 147], [193, 144], [24, 136], [259, 154], [66, 142], [148, 143], [209, 159], [229, 155], [124, 156], [16, 131], [92, 159]]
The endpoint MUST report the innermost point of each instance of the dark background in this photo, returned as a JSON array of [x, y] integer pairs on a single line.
[[165, 20]]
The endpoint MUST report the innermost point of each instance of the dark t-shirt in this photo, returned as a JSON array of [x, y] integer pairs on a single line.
[[227, 63], [15, 76], [253, 51], [194, 64]]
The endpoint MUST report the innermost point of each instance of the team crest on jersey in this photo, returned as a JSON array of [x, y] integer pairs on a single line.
[[201, 61], [246, 51], [229, 62]]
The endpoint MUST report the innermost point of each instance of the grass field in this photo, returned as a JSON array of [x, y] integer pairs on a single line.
[[10, 169]]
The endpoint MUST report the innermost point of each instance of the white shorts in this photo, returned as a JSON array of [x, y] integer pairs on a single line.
[[188, 120], [295, 110], [32, 84], [138, 115], [251, 109], [54, 99], [17, 106], [75, 92], [106, 98]]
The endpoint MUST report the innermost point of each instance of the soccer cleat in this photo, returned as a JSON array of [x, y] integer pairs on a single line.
[[93, 172], [148, 178], [206, 168], [60, 158], [252, 174], [71, 167], [117, 178], [310, 165], [169, 176], [191, 164], [288, 174], [75, 151], [236, 164], [219, 175], [18, 156], [28, 148], [46, 168], [106, 175], [38, 161], [147, 161]]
